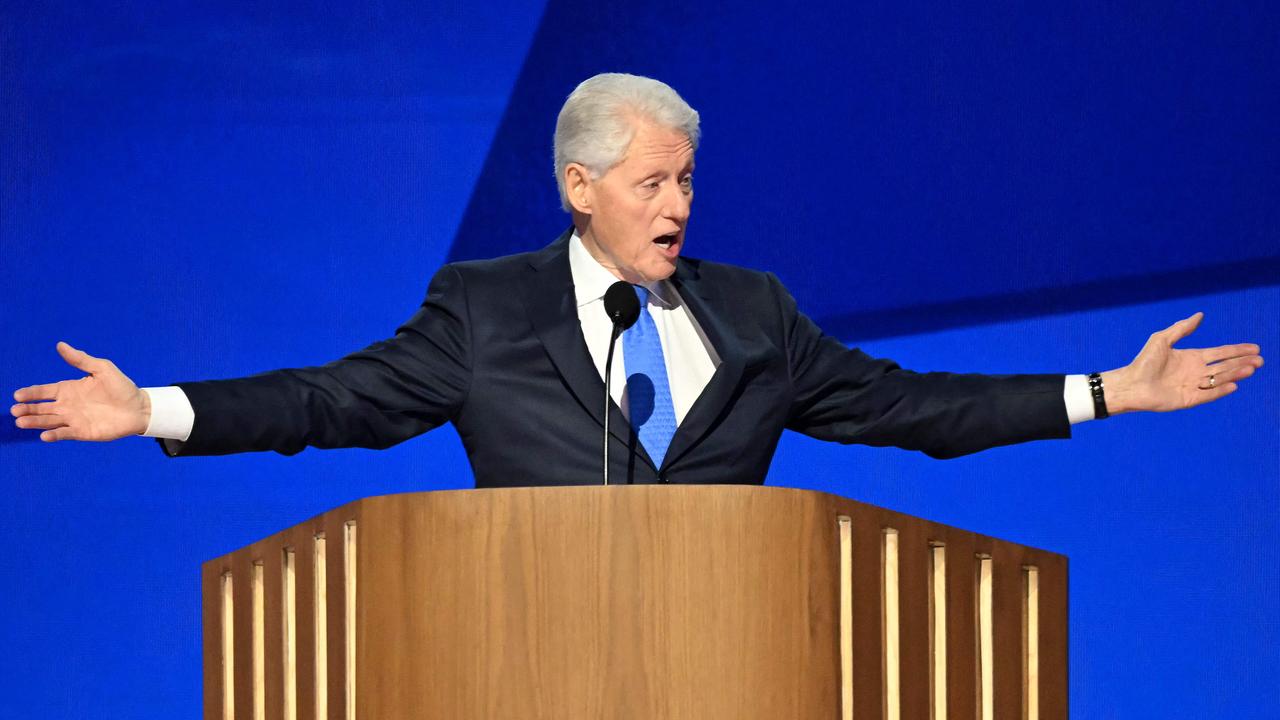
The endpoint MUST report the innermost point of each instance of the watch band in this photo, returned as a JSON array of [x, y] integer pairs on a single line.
[[1099, 397]]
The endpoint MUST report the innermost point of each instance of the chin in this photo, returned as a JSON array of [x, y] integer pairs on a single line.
[[660, 271]]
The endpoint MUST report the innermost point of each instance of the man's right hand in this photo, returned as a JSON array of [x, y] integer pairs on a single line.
[[105, 405]]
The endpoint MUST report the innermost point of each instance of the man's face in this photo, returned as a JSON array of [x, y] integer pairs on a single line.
[[638, 210]]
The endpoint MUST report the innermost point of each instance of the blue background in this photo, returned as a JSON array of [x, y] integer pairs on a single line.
[[200, 193]]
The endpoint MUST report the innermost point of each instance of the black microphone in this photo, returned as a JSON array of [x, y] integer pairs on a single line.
[[622, 305], [623, 308]]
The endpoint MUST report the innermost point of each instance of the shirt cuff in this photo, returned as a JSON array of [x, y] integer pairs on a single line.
[[172, 416], [1078, 399]]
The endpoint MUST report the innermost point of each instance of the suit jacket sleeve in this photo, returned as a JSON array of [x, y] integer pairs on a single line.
[[844, 395], [375, 398]]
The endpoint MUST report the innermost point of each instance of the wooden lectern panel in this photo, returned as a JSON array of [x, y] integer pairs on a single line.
[[679, 602], [602, 604]]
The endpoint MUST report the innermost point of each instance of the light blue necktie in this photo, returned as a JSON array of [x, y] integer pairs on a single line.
[[648, 393]]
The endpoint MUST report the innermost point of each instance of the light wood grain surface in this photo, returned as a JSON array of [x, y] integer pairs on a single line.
[[671, 602]]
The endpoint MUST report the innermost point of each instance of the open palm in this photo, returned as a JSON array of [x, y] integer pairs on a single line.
[[1163, 377], [103, 405]]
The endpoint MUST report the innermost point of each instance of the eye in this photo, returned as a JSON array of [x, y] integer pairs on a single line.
[[648, 188], [686, 182]]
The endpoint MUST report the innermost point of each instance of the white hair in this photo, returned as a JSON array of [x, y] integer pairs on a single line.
[[598, 121]]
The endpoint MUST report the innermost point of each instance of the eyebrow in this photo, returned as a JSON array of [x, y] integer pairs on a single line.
[[687, 170]]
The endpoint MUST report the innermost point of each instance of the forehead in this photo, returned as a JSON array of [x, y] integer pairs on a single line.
[[658, 145]]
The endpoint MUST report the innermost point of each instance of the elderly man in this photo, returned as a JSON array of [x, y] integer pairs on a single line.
[[512, 351]]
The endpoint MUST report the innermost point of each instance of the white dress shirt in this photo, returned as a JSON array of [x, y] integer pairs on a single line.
[[690, 359]]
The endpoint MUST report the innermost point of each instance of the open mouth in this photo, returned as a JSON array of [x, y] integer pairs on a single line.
[[667, 241]]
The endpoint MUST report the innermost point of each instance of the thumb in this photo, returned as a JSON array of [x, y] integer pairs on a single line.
[[77, 359], [1183, 328]]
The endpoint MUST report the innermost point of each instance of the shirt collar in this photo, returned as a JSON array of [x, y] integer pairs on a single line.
[[591, 279]]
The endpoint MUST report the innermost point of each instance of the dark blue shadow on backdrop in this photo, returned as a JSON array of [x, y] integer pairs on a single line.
[[913, 166], [984, 309]]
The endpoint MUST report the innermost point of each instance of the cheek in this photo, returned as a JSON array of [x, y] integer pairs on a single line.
[[633, 227]]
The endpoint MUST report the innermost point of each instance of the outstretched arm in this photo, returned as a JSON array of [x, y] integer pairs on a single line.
[[376, 397], [103, 405], [1163, 377]]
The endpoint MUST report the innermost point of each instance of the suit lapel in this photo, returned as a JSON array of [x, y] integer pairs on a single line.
[[711, 316], [552, 307]]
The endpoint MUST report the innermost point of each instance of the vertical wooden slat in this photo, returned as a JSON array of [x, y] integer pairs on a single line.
[[288, 634], [846, 616], [242, 572], [1031, 643], [891, 659], [349, 618], [986, 637], [1007, 561], [938, 631], [320, 625], [227, 628], [257, 634]]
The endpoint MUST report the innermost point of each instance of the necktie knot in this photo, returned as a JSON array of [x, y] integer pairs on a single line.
[[642, 294]]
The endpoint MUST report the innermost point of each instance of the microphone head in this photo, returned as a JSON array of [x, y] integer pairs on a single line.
[[622, 305]]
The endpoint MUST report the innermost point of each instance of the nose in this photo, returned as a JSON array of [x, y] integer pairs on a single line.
[[675, 206]]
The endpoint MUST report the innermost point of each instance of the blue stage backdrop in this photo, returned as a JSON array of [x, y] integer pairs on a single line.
[[198, 193]]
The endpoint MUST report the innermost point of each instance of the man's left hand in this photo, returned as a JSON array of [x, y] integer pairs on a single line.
[[1163, 378]]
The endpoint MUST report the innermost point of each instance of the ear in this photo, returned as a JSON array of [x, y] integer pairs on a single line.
[[577, 187]]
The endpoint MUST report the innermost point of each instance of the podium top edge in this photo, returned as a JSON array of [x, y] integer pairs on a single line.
[[886, 517]]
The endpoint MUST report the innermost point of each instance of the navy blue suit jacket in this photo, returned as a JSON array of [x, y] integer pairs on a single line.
[[496, 348]]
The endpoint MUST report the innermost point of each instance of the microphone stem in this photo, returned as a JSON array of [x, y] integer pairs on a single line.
[[608, 398]]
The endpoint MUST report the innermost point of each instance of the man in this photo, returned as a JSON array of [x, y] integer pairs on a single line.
[[512, 351]]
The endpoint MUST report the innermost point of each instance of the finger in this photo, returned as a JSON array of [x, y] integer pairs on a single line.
[[1253, 362], [79, 359], [1182, 328], [1213, 394], [40, 422], [44, 408], [34, 393], [1226, 352], [1225, 373], [62, 433]]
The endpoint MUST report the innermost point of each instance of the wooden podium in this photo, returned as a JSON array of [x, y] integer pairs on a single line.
[[697, 602]]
